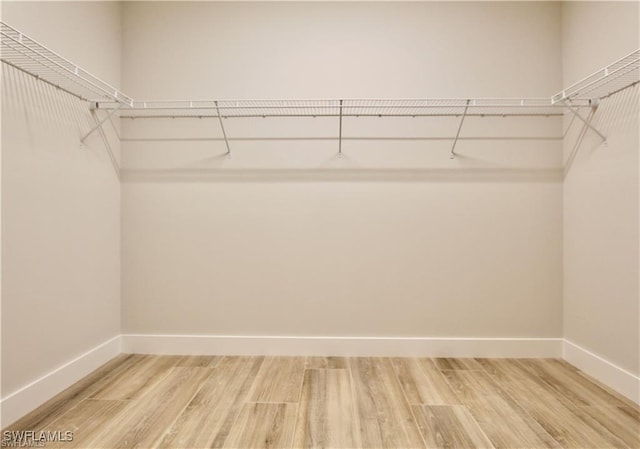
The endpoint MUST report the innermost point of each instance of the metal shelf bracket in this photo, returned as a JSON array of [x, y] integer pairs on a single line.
[[594, 105], [340, 132], [29, 56], [94, 107], [224, 133], [455, 140]]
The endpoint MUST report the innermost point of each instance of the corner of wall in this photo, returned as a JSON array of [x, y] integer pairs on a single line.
[[600, 204]]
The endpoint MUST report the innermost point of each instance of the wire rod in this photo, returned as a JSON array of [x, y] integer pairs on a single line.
[[576, 146], [455, 140], [329, 138], [99, 124], [585, 121], [340, 132], [127, 114], [224, 133], [107, 145]]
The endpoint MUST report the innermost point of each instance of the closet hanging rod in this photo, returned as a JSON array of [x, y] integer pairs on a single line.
[[130, 116]]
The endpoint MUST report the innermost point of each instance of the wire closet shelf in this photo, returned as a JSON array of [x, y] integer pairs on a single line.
[[340, 108], [623, 73], [27, 55]]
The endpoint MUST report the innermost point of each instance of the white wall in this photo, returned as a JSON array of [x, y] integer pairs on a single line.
[[277, 240], [285, 238], [341, 49], [342, 258], [60, 202], [601, 192]]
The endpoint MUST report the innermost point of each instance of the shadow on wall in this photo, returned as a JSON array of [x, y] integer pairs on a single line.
[[391, 145], [36, 101], [615, 117], [490, 148], [48, 115], [619, 112]]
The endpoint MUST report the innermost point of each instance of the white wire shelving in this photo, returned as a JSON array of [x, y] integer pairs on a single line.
[[29, 56], [623, 73], [413, 107]]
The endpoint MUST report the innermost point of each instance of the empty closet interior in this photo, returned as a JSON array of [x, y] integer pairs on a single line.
[[455, 179]]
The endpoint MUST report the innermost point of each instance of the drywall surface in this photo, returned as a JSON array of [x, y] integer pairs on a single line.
[[395, 49], [342, 258], [391, 239], [60, 202], [601, 226]]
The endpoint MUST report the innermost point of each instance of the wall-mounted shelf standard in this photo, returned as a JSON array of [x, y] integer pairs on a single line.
[[27, 55]]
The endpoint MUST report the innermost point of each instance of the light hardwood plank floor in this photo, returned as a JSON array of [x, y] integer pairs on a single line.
[[195, 402]]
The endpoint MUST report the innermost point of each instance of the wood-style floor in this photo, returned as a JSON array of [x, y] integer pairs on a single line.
[[192, 402]]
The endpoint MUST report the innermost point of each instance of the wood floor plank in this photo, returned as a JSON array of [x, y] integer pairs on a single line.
[[279, 380], [633, 412], [621, 421], [571, 426], [208, 417], [326, 412], [570, 384], [86, 420], [194, 402], [445, 426], [142, 424], [385, 417], [138, 379], [446, 363], [501, 370], [201, 361], [624, 401], [506, 423], [43, 416], [423, 383], [521, 384], [327, 363], [263, 425]]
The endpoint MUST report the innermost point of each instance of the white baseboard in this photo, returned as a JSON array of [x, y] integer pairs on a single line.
[[616, 378], [341, 346], [20, 402]]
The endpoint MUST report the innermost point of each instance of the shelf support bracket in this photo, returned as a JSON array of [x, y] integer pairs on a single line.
[[455, 140], [99, 124], [340, 132], [224, 133], [594, 105]]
